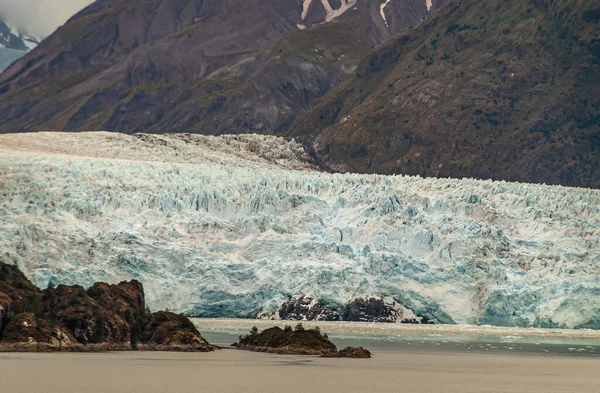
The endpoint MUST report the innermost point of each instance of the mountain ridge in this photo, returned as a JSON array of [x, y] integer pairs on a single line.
[[245, 65], [500, 90], [13, 45], [502, 95]]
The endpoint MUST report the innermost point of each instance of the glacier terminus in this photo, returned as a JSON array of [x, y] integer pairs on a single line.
[[232, 226]]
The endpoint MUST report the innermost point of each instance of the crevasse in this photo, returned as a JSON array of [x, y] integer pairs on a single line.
[[232, 226]]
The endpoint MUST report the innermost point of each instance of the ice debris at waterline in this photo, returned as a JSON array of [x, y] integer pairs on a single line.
[[233, 226]]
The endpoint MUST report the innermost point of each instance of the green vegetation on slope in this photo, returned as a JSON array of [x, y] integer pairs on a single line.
[[504, 89]]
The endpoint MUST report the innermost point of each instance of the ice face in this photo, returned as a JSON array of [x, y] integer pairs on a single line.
[[232, 226]]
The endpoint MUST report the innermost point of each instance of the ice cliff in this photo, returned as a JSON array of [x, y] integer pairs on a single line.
[[232, 226]]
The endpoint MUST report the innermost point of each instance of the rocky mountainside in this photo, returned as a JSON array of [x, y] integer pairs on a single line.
[[11, 39], [199, 66], [102, 317], [13, 45], [501, 89]]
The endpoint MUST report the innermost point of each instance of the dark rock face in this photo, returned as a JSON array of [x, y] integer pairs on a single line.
[[364, 309], [350, 352], [296, 342], [105, 317], [306, 308], [370, 310], [359, 310], [168, 331], [25, 327], [103, 313], [17, 294]]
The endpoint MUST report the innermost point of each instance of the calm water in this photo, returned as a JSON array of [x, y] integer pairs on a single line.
[[382, 337]]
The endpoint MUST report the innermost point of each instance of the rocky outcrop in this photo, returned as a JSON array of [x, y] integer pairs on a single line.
[[103, 313], [363, 309], [103, 317], [305, 308], [370, 310], [167, 331], [297, 342], [287, 341], [350, 352]]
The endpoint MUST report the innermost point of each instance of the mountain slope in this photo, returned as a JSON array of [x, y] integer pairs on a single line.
[[13, 45], [183, 65], [500, 89]]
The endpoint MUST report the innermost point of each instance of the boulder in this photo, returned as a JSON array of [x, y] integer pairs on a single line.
[[350, 352], [168, 331]]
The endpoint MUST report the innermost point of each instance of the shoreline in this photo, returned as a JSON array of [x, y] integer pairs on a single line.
[[408, 331], [436, 339], [234, 371]]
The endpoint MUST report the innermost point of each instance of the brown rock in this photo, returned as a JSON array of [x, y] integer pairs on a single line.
[[26, 327], [350, 352], [168, 331], [103, 313], [370, 310], [292, 342], [105, 317]]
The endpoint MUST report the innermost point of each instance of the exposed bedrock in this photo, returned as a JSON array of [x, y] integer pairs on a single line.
[[362, 309]]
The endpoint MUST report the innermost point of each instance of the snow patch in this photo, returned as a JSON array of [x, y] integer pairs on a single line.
[[428, 4], [332, 14], [305, 7], [382, 11], [29, 43]]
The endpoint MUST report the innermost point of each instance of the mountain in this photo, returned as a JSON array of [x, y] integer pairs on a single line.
[[13, 45], [501, 89], [200, 66], [495, 89], [236, 225]]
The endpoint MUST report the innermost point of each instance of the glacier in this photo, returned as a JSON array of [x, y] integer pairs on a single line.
[[232, 226]]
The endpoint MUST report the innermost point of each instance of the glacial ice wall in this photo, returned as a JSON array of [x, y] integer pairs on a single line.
[[232, 226]]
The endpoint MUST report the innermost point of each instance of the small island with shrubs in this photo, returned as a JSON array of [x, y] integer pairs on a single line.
[[298, 341]]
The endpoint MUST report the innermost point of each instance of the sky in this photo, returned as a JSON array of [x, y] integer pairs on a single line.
[[39, 18]]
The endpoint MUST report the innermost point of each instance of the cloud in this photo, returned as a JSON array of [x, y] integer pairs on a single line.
[[39, 18]]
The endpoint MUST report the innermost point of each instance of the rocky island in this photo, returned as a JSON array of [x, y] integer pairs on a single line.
[[366, 309], [298, 341], [71, 318]]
